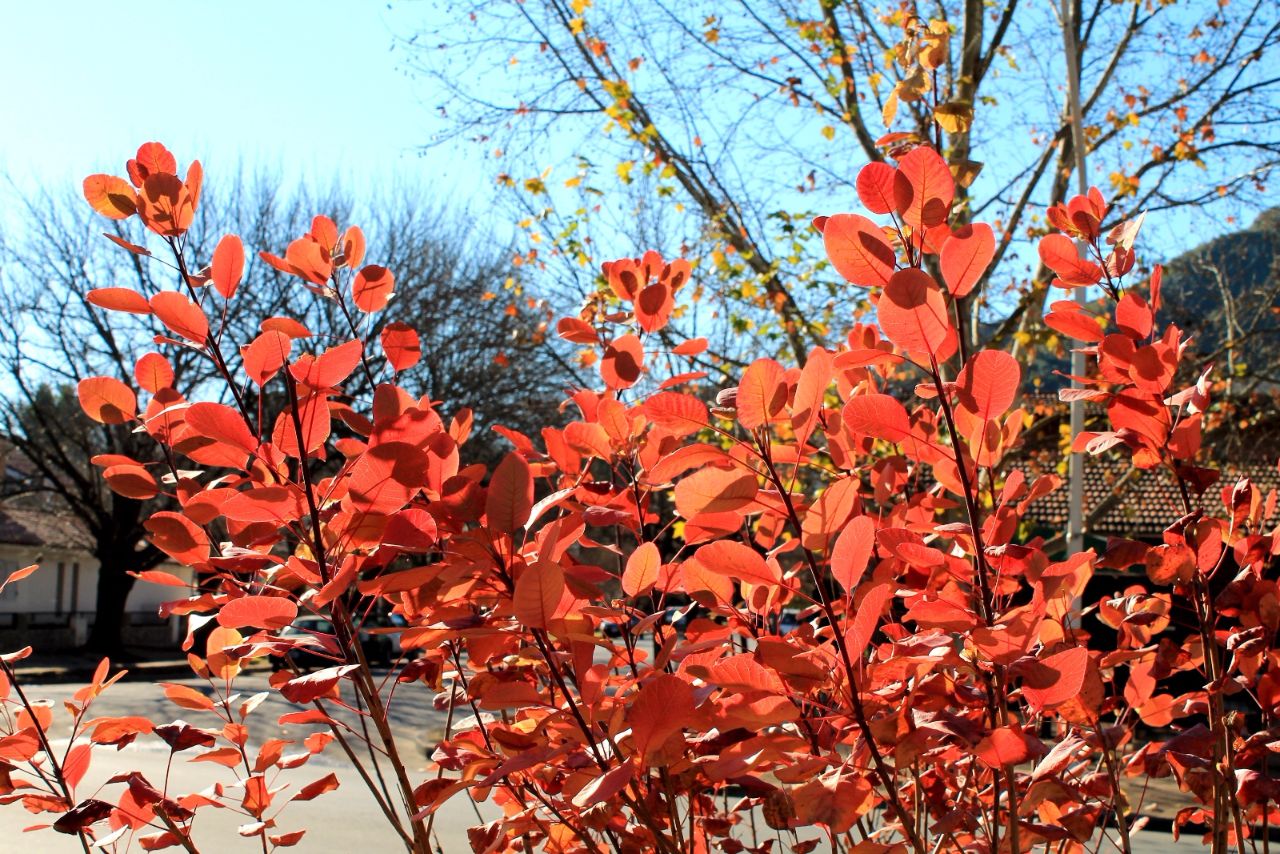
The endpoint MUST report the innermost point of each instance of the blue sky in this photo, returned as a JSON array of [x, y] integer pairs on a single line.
[[314, 88]]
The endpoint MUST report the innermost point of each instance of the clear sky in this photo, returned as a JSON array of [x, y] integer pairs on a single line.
[[313, 87]]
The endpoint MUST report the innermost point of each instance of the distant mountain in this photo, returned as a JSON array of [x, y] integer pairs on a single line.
[[1226, 294]]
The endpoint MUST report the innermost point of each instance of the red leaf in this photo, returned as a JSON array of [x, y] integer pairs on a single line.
[[330, 368], [257, 611], [878, 415], [865, 618], [815, 376], [509, 498], [313, 417], [762, 394], [227, 268], [923, 188], [681, 414], [1059, 254], [401, 345], [18, 575], [740, 562], [653, 306], [660, 709], [715, 490], [852, 551], [623, 362], [119, 299], [178, 537], [373, 288], [605, 786], [222, 424], [264, 356], [1008, 745], [152, 157], [107, 400], [858, 250], [305, 689], [644, 566], [312, 790], [1134, 316], [131, 481], [965, 257], [182, 316], [692, 347], [875, 187], [537, 594], [386, 476], [1055, 679], [153, 372], [1074, 322], [989, 383], [913, 315]]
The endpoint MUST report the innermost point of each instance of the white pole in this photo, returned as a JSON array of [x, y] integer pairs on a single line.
[[1075, 496]]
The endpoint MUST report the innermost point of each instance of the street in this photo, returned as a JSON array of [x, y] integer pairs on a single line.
[[343, 820]]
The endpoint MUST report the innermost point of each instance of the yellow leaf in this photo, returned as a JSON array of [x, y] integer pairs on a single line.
[[954, 116], [624, 170], [828, 132]]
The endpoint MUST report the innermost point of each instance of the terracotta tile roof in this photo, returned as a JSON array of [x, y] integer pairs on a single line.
[[24, 527]]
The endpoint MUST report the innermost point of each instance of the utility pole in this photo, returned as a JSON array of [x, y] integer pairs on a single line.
[[1075, 486]]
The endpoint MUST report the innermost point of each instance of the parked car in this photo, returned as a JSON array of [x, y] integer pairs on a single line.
[[399, 623], [377, 648], [788, 621]]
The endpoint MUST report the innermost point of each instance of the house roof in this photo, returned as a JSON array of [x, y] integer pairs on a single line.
[[1139, 503], [23, 527]]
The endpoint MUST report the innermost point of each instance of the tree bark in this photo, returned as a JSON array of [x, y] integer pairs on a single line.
[[114, 584]]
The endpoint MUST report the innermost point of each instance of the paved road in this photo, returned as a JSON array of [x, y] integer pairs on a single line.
[[340, 821]]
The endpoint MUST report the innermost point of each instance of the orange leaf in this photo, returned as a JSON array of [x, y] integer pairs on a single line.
[[107, 400], [187, 697], [537, 594], [153, 372], [119, 299], [264, 356], [923, 188], [18, 575], [227, 268], [401, 345], [110, 196], [875, 187], [373, 288], [989, 383], [681, 414], [858, 250], [509, 497], [642, 571], [182, 316], [715, 490], [913, 315], [965, 257], [740, 562], [762, 394], [263, 612], [178, 537], [852, 552], [623, 362]]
